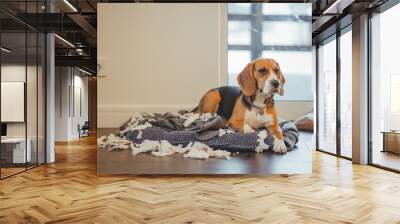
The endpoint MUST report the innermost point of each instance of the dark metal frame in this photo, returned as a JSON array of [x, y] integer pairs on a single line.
[[369, 90], [316, 122], [44, 77], [338, 98]]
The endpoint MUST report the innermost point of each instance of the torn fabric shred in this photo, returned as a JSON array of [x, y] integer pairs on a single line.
[[196, 150], [113, 142], [262, 135], [222, 132]]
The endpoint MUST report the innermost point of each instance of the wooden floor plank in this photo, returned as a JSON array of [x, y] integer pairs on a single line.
[[70, 191]]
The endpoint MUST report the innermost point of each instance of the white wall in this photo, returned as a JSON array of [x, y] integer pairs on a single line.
[[158, 57], [291, 110], [68, 81], [62, 80], [12, 73], [79, 117]]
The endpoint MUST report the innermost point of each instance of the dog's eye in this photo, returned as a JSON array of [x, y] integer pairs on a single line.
[[262, 70]]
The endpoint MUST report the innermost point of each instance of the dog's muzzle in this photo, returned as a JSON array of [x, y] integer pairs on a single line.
[[271, 87], [275, 84]]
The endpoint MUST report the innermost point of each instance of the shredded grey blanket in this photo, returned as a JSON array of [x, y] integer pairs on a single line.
[[170, 127]]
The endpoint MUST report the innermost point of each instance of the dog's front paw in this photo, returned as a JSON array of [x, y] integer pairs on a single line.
[[279, 146], [247, 129], [259, 149]]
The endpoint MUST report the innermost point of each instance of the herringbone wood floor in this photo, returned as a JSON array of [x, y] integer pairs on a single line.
[[69, 191]]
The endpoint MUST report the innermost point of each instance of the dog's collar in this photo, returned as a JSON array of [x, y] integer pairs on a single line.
[[269, 102], [250, 103]]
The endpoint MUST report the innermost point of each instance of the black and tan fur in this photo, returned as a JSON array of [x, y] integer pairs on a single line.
[[254, 108]]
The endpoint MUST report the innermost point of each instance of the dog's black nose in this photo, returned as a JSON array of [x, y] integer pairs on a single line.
[[275, 83]]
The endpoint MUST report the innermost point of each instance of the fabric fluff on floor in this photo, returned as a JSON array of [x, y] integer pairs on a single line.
[[191, 135], [139, 122], [196, 150]]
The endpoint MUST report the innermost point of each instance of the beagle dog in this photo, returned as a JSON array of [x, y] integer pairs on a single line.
[[251, 106]]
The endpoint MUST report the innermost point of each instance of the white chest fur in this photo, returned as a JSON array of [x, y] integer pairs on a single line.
[[259, 101], [256, 120]]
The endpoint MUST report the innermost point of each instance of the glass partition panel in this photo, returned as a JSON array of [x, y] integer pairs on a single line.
[[41, 98], [346, 94], [14, 153], [31, 97], [327, 97], [22, 88]]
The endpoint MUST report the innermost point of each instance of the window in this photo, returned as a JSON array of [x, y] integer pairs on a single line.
[[237, 60], [394, 101], [327, 97], [385, 89], [240, 9], [335, 94], [346, 94], [239, 32], [274, 30]]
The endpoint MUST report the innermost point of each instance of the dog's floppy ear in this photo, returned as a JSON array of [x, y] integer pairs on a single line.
[[246, 80], [282, 77]]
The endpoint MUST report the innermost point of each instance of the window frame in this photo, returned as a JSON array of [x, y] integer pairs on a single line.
[[256, 46], [371, 14], [334, 37]]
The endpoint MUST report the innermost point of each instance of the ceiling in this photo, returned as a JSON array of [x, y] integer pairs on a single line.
[[76, 22]]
